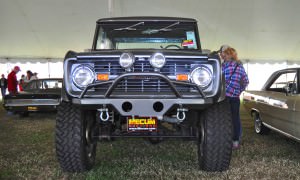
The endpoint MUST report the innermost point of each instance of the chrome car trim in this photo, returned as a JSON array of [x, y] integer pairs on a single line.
[[97, 56], [30, 102], [281, 132]]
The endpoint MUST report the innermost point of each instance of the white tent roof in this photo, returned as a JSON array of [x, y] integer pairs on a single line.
[[258, 29]]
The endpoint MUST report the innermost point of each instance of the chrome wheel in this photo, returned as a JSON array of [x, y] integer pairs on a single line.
[[259, 127], [257, 124]]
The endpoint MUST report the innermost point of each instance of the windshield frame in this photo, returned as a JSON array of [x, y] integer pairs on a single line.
[[98, 26]]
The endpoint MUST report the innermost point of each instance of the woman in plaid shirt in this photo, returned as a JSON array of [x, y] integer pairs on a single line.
[[236, 81]]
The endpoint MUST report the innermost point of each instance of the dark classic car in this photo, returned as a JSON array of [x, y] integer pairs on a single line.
[[144, 77], [277, 106], [38, 95]]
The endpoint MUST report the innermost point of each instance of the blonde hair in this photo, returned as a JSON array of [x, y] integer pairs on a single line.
[[231, 52]]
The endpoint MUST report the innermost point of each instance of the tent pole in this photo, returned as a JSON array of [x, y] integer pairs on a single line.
[[110, 8], [48, 60]]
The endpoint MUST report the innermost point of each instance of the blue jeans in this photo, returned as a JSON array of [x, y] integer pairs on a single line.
[[236, 120], [3, 91]]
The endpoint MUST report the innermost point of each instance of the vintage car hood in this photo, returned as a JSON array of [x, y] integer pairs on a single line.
[[136, 52], [34, 95]]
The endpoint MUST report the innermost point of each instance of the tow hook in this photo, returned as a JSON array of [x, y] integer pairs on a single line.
[[181, 114], [104, 115]]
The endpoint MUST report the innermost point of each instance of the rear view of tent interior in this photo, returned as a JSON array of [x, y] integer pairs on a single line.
[[35, 35]]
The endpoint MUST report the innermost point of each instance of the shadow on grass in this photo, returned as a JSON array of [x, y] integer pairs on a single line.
[[27, 151]]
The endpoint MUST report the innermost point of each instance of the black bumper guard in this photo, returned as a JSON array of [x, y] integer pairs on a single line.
[[115, 82]]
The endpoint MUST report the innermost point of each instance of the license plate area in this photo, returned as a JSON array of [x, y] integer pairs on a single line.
[[32, 108], [142, 124]]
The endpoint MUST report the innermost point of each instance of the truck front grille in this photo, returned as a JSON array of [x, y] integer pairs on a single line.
[[171, 68], [143, 85]]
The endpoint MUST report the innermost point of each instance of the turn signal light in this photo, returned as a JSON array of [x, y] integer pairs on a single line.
[[102, 77], [182, 77]]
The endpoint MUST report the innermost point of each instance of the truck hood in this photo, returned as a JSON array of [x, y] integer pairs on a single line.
[[144, 52]]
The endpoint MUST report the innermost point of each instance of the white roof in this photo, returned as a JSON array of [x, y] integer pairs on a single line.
[[258, 29]]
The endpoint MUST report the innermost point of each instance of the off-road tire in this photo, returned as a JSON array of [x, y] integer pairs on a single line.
[[215, 138], [74, 151], [259, 127]]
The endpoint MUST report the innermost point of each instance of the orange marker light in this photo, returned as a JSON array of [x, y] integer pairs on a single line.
[[182, 77], [102, 77]]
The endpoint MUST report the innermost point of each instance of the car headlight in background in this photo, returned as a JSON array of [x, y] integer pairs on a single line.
[[157, 60], [126, 60], [83, 75], [201, 76]]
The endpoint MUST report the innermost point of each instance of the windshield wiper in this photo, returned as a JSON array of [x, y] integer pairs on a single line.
[[153, 31], [166, 28], [129, 28]]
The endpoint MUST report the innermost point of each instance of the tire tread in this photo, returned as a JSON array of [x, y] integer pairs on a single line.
[[217, 145], [68, 139]]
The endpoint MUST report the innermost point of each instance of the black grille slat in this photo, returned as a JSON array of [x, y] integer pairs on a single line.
[[137, 85]]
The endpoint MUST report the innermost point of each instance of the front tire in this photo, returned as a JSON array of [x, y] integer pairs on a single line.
[[215, 139], [75, 146]]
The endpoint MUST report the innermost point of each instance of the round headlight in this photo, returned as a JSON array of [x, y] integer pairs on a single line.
[[157, 60], [126, 60], [201, 76], [82, 76]]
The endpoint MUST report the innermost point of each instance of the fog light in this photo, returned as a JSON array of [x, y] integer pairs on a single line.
[[157, 60], [126, 60]]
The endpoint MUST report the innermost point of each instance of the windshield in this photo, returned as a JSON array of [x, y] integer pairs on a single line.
[[143, 35], [43, 84]]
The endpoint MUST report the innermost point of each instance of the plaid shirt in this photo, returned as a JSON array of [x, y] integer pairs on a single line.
[[233, 85]]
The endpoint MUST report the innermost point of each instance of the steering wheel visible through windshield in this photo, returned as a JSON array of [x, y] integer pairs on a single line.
[[145, 35]]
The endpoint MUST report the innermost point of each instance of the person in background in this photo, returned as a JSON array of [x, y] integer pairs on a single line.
[[12, 82], [3, 84], [236, 81], [46, 85], [23, 77], [56, 85], [29, 75], [34, 76], [221, 51], [21, 85]]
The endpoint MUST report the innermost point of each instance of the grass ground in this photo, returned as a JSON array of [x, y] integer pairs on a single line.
[[27, 152]]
